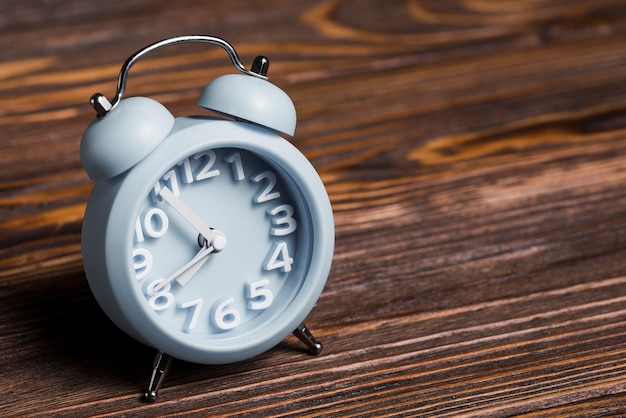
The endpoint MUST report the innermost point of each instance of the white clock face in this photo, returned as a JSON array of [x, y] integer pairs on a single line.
[[258, 257]]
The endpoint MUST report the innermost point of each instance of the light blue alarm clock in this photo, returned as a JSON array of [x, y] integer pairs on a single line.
[[207, 238]]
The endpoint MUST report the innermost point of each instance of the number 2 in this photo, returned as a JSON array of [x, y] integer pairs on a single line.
[[208, 159], [267, 191]]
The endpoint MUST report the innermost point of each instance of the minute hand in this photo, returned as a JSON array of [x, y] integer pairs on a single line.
[[213, 236]]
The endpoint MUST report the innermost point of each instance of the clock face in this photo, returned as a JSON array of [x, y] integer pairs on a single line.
[[244, 278], [215, 246]]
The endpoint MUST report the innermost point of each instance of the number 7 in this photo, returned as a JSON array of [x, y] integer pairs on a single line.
[[192, 319]]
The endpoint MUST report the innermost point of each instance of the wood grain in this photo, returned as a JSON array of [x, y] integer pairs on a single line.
[[475, 156]]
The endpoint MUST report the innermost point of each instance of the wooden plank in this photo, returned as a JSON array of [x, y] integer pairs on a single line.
[[475, 155]]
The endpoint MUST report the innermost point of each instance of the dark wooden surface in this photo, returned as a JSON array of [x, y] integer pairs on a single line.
[[475, 155]]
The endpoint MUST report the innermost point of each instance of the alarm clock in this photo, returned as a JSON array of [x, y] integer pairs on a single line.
[[208, 238]]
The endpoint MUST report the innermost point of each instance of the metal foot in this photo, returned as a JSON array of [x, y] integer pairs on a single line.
[[162, 363], [304, 334]]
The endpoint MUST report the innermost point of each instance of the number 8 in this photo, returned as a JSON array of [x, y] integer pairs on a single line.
[[156, 301]]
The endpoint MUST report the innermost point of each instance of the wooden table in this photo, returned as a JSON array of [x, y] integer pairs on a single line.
[[475, 155]]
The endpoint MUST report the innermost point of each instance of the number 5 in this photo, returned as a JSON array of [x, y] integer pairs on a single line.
[[258, 296]]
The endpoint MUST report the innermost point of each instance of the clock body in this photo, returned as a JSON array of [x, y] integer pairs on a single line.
[[240, 300]]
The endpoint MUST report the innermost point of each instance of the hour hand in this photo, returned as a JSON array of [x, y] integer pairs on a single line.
[[186, 272], [215, 238]]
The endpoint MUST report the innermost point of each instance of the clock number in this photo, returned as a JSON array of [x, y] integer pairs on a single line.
[[290, 224], [206, 171], [267, 191], [170, 179], [223, 317], [195, 307], [234, 158], [279, 258], [259, 297], [187, 174], [208, 157], [142, 262], [162, 299], [139, 237], [155, 224]]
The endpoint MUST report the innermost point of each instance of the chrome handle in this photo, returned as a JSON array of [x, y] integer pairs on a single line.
[[102, 105]]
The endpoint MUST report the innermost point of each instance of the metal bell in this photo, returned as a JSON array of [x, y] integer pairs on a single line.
[[252, 99], [117, 141]]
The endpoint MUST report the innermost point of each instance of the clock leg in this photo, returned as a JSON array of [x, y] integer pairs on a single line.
[[162, 363], [304, 334]]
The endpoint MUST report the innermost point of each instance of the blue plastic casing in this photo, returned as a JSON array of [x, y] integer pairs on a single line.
[[251, 99], [122, 194]]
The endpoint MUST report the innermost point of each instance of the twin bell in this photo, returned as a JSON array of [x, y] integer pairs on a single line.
[[128, 129]]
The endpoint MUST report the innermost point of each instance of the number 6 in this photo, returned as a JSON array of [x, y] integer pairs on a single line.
[[225, 318]]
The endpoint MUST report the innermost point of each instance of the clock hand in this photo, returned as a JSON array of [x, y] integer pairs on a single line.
[[186, 272], [214, 237]]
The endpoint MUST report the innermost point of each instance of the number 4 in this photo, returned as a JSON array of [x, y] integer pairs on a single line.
[[279, 258]]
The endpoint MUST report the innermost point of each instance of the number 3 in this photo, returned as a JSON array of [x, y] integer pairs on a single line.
[[287, 223]]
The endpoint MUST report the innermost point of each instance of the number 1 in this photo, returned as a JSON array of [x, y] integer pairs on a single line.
[[234, 158]]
